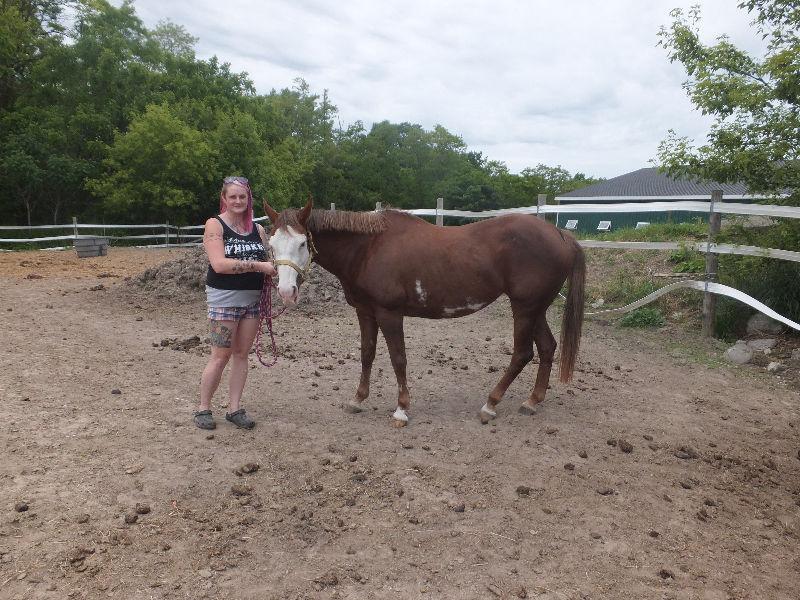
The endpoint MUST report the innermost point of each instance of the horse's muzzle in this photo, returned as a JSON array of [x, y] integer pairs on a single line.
[[288, 294]]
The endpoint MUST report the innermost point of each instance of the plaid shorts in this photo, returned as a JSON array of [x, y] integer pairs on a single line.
[[233, 313]]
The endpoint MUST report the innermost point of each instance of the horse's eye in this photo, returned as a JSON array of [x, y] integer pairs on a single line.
[[302, 245]]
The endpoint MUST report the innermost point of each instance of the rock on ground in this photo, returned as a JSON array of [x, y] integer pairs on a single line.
[[760, 323], [739, 354]]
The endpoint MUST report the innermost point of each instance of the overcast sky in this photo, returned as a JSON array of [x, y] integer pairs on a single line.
[[575, 83]]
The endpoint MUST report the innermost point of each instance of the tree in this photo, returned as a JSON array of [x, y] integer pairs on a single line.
[[754, 139], [174, 39], [38, 162], [161, 168], [27, 29], [755, 101]]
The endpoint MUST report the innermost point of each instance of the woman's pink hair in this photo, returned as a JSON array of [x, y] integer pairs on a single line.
[[248, 217]]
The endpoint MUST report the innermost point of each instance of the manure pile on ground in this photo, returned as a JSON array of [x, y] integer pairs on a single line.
[[186, 276], [175, 278]]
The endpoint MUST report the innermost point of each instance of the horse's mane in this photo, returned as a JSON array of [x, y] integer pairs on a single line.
[[337, 220]]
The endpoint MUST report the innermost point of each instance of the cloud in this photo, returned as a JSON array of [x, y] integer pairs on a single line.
[[581, 84]]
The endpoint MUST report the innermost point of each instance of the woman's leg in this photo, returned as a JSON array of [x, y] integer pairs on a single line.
[[222, 336], [240, 364]]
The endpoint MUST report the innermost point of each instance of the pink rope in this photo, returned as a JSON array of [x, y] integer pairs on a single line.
[[265, 314]]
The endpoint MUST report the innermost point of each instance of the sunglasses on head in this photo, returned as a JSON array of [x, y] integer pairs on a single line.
[[241, 180]]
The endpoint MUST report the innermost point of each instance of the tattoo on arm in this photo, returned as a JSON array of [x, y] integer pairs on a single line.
[[242, 266], [213, 236], [220, 335]]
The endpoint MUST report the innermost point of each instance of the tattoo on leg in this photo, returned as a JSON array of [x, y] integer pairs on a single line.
[[220, 335]]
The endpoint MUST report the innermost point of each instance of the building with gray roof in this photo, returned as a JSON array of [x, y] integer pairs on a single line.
[[643, 185]]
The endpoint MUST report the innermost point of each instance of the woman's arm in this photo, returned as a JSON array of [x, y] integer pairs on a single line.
[[215, 249]]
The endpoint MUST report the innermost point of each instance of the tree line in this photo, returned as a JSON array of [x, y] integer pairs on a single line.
[[111, 121]]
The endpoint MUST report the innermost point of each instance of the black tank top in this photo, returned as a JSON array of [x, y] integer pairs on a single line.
[[240, 247]]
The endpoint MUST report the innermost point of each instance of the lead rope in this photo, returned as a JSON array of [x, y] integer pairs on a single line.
[[265, 314]]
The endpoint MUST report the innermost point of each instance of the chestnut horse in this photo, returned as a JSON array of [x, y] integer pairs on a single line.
[[392, 264]]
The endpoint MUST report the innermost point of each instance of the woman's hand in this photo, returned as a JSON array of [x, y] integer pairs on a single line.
[[267, 268]]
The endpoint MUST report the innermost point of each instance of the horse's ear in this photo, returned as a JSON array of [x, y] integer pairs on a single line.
[[303, 215], [270, 212]]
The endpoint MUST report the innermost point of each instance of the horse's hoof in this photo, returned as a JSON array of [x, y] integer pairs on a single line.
[[526, 409], [352, 408], [486, 414], [397, 423]]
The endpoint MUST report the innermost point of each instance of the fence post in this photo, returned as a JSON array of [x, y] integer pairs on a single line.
[[439, 209], [166, 234], [540, 202], [333, 207], [712, 262], [378, 206], [75, 228]]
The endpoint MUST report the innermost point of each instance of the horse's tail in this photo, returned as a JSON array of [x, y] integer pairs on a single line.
[[572, 321]]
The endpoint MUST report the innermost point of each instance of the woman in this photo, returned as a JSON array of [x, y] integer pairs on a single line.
[[236, 249]]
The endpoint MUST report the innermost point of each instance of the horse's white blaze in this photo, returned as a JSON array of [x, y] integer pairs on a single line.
[[400, 415], [421, 293], [467, 308], [485, 409], [288, 245]]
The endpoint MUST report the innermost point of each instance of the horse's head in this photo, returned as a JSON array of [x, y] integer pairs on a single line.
[[290, 244]]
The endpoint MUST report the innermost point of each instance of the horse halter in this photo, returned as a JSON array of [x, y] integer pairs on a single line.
[[301, 271]]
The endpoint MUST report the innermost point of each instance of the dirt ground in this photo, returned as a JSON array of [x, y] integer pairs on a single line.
[[659, 472]]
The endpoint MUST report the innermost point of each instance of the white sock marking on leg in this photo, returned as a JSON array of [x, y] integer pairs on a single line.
[[400, 415], [485, 409]]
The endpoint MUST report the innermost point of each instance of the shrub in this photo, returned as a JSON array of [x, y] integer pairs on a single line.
[[643, 317], [774, 282]]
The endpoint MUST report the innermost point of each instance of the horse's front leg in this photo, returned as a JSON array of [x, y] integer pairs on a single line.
[[369, 340], [391, 325]]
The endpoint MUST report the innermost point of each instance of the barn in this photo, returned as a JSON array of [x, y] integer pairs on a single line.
[[643, 185]]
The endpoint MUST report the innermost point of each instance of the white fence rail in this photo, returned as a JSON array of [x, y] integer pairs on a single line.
[[699, 246], [172, 234], [731, 208], [172, 231]]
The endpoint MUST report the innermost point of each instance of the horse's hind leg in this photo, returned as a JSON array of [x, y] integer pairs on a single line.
[[391, 325], [546, 347], [369, 339], [524, 323]]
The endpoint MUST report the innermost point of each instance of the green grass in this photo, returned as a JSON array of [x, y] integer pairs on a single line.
[[688, 261], [643, 317], [701, 354], [625, 288], [774, 282], [656, 232]]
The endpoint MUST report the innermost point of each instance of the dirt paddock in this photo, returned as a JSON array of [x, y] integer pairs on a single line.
[[657, 473]]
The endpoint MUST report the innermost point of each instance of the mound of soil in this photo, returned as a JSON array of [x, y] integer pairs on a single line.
[[174, 278], [185, 276]]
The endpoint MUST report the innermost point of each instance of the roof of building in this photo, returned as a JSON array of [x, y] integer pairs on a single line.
[[648, 182]]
